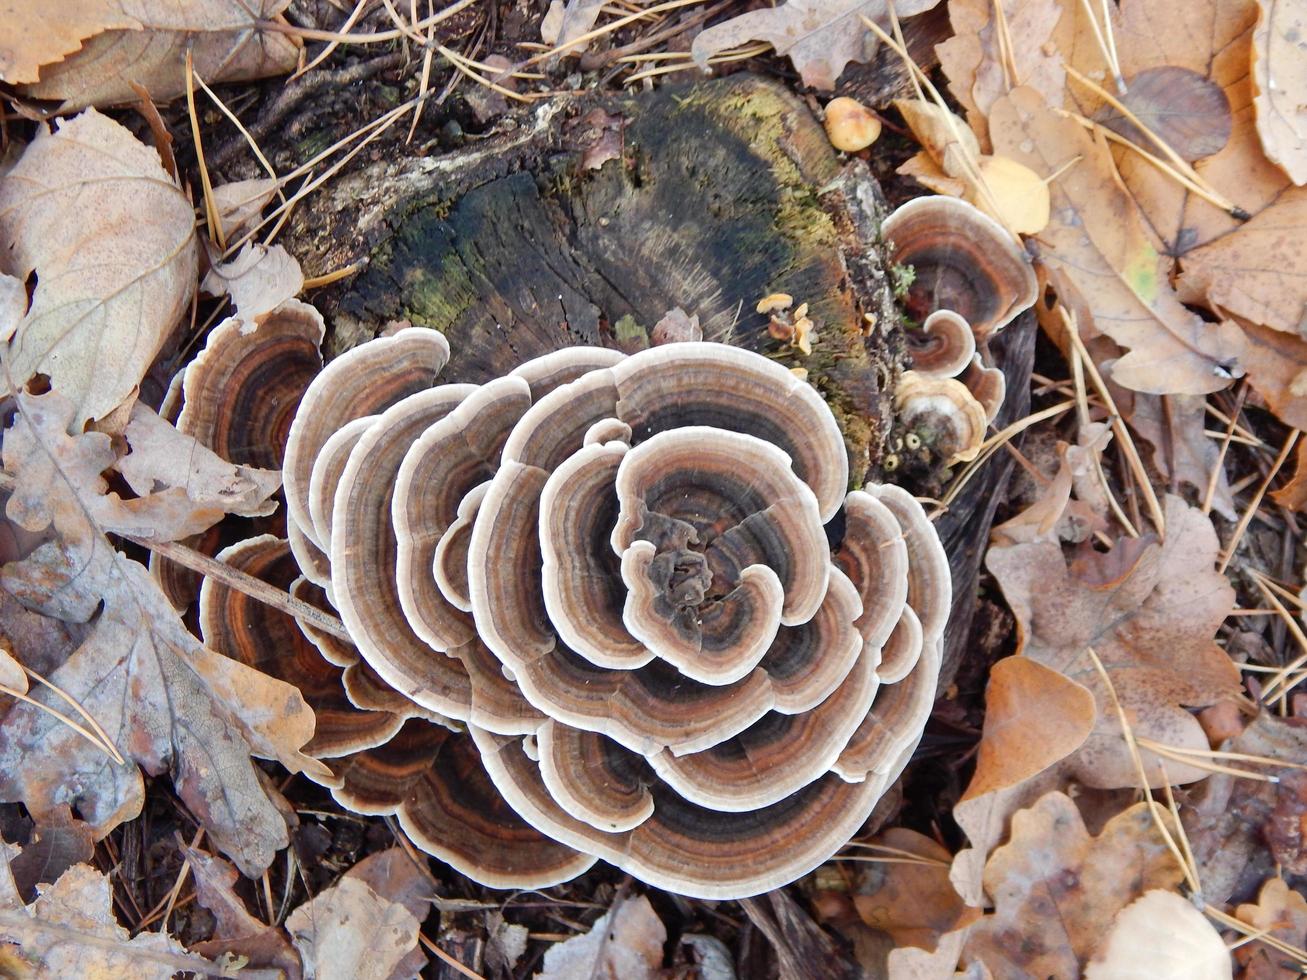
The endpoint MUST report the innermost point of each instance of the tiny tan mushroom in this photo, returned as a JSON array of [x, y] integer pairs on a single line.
[[850, 125]]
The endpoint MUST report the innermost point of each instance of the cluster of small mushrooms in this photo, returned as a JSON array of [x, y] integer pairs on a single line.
[[969, 279], [605, 607]]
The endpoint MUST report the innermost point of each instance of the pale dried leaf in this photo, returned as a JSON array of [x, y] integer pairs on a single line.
[[13, 304], [149, 46], [240, 203], [820, 37], [183, 488], [625, 943], [1150, 611], [110, 237], [349, 932], [70, 931], [12, 674], [1277, 369], [911, 963], [579, 18], [1279, 78], [1097, 246], [1059, 889], [1176, 426], [161, 459], [551, 25], [1054, 515], [1161, 936], [258, 279]]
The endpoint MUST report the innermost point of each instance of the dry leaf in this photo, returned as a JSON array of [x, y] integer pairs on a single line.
[[235, 931], [1176, 427], [70, 931], [258, 279], [111, 240], [578, 18], [971, 58], [12, 674], [1280, 912], [820, 37], [914, 903], [1161, 936], [13, 304], [1279, 78], [1097, 246], [167, 703], [1059, 889], [1184, 108], [1277, 369], [240, 203], [1034, 717], [1293, 494], [625, 943], [1055, 515], [146, 43], [182, 487], [1150, 611], [349, 932]]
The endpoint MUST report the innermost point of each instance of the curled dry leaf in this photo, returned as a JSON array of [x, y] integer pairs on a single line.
[[1150, 611], [1055, 515], [1161, 936], [182, 487], [626, 941], [1279, 79], [1051, 872], [110, 237], [240, 203], [819, 36], [1280, 912], [146, 43]]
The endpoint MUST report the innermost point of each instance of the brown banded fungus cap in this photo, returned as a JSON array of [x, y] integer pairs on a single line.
[[970, 278], [618, 572]]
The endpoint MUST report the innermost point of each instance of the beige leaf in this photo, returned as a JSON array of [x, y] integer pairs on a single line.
[[13, 304], [1161, 936], [70, 931], [1279, 78], [1097, 245], [1279, 912], [110, 237], [183, 488], [349, 932], [819, 36], [625, 942], [12, 674], [145, 42], [1059, 889], [240, 203], [972, 58], [258, 279]]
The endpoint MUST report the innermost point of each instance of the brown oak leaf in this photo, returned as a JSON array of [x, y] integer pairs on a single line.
[[1149, 610]]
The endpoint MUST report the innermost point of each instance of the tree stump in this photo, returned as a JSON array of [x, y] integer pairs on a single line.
[[590, 223]]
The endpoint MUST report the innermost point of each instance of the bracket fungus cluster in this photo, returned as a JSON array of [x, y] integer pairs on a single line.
[[970, 279], [631, 608]]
